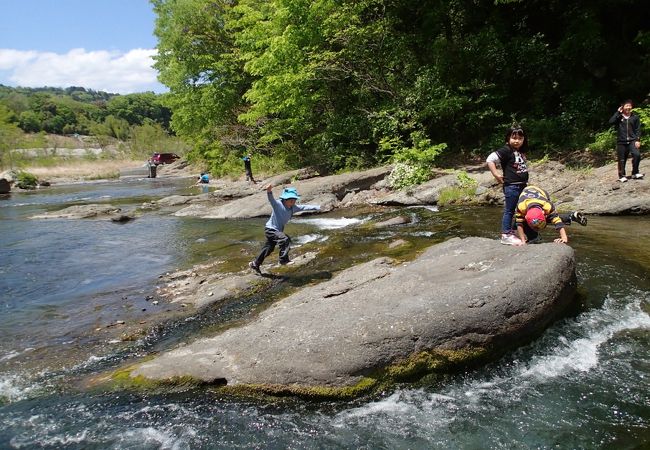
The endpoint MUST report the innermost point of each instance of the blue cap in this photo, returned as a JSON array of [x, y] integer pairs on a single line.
[[288, 193]]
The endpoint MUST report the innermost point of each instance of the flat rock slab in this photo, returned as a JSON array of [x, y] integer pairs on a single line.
[[461, 294], [80, 212]]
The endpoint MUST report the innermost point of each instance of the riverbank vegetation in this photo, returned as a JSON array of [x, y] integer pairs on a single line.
[[353, 84], [349, 84], [47, 127]]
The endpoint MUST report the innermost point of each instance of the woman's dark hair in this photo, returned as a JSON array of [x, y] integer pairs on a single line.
[[518, 131], [628, 101]]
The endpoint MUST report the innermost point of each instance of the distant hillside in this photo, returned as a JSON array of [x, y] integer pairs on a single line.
[[77, 110], [76, 93]]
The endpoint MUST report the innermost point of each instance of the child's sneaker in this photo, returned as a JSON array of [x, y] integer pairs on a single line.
[[622, 179], [537, 240], [255, 267], [284, 262], [638, 176], [509, 239], [577, 216]]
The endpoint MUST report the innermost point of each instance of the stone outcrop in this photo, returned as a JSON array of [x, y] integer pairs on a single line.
[[324, 191], [81, 212], [594, 191], [460, 300], [5, 186]]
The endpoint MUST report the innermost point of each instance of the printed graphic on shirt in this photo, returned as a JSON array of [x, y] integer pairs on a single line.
[[519, 163]]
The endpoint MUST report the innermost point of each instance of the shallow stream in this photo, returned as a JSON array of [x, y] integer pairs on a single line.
[[584, 383]]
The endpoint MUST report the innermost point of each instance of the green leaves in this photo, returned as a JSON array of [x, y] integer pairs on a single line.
[[349, 83]]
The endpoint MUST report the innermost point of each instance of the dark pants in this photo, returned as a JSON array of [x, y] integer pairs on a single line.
[[511, 193], [623, 150], [274, 237], [249, 171], [531, 234]]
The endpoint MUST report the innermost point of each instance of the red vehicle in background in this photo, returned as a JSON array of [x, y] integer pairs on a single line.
[[163, 158]]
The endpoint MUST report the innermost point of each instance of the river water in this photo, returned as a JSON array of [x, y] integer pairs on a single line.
[[584, 383]]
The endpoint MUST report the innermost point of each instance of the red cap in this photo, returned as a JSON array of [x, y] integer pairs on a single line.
[[535, 218]]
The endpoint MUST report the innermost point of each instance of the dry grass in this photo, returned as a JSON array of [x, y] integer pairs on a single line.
[[84, 170]]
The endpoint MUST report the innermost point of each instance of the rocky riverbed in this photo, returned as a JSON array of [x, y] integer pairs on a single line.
[[457, 304]]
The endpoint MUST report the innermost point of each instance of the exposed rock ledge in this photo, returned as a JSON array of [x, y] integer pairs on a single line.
[[459, 300]]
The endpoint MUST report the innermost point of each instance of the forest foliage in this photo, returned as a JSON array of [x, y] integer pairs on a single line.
[[347, 84], [353, 83], [76, 110]]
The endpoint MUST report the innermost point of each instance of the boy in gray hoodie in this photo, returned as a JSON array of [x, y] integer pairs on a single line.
[[283, 210]]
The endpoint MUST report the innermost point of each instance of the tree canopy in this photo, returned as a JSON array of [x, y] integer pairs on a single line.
[[351, 83]]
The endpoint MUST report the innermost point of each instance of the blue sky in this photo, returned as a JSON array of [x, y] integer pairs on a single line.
[[103, 45]]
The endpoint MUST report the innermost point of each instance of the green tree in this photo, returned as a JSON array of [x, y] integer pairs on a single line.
[[331, 82], [30, 121], [10, 135], [137, 108], [198, 62]]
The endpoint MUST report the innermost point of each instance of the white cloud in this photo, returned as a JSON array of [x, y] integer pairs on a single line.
[[102, 70]]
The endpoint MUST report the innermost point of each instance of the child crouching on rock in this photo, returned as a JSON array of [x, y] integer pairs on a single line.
[[535, 210], [283, 210]]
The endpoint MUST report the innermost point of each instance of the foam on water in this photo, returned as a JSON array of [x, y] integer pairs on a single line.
[[570, 347], [13, 389], [581, 353], [433, 208], [330, 224]]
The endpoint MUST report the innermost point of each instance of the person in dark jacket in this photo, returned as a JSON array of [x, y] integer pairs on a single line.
[[628, 140], [512, 158], [248, 169]]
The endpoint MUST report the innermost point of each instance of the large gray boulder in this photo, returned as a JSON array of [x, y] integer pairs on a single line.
[[470, 298]]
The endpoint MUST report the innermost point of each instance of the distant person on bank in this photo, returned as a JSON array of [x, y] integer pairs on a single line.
[[512, 158], [248, 169], [283, 210], [535, 210], [203, 181], [204, 178], [628, 140]]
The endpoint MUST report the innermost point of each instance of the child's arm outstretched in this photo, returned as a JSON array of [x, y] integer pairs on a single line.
[[306, 207]]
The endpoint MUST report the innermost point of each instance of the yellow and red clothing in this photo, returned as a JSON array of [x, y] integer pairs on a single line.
[[532, 196]]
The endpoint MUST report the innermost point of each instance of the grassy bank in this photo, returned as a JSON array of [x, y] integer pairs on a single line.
[[80, 170]]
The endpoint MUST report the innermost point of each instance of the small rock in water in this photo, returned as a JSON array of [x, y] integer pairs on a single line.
[[155, 302]]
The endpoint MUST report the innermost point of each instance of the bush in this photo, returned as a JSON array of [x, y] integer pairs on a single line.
[[413, 164], [404, 175], [605, 141], [26, 180]]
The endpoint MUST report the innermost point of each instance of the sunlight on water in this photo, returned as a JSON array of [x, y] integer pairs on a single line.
[[329, 224], [307, 238]]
